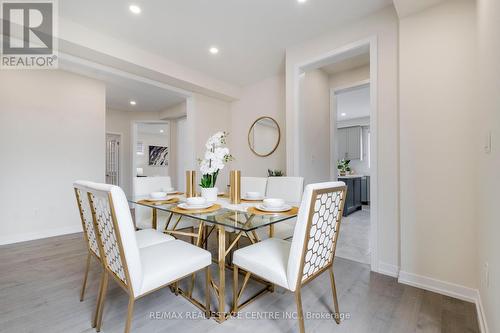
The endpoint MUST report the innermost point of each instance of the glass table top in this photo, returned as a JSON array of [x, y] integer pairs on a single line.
[[229, 215]]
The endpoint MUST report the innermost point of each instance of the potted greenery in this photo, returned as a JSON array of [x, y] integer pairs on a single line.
[[215, 158], [343, 167], [275, 173]]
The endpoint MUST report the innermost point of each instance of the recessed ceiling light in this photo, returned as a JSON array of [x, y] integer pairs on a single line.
[[213, 50], [301, 1], [161, 131], [135, 9], [133, 103], [343, 114]]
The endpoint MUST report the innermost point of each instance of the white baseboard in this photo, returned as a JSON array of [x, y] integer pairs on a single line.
[[448, 289], [388, 269], [11, 239], [438, 286], [481, 316]]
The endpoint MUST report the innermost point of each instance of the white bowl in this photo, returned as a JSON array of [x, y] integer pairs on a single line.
[[158, 195], [252, 195], [274, 203], [196, 201]]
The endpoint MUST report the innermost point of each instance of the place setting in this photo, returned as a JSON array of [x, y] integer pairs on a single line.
[[196, 205], [272, 206], [252, 197], [161, 198]]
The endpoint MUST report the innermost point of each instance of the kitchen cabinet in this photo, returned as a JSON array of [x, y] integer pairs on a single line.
[[353, 197], [365, 190], [349, 143]]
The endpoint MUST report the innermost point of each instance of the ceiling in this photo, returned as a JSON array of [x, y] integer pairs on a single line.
[[121, 89], [147, 97], [354, 103], [251, 35], [154, 129], [347, 64]]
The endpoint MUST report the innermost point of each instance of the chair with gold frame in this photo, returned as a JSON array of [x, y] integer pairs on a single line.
[[144, 238], [139, 271], [312, 251]]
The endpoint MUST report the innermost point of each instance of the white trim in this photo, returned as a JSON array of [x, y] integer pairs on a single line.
[[449, 289], [439, 286], [388, 269], [481, 316], [293, 131], [39, 235]]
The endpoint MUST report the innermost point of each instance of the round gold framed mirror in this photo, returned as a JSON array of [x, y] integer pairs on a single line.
[[264, 136]]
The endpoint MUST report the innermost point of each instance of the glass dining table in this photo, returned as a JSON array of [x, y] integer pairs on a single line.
[[231, 222]]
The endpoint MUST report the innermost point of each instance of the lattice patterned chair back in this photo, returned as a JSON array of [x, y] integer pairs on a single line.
[[315, 237], [116, 234], [82, 201]]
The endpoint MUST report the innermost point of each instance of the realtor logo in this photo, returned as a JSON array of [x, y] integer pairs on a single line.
[[28, 35]]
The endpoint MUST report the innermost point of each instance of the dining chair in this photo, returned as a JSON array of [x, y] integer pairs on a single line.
[[144, 215], [311, 252], [290, 189], [146, 237], [253, 184], [139, 271], [144, 186]]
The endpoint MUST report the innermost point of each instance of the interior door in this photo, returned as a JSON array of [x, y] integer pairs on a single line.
[[113, 159]]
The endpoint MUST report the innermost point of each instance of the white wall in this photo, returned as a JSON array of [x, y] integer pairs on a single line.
[[489, 164], [121, 122], [438, 170], [314, 130], [205, 117], [383, 25], [51, 134], [264, 98]]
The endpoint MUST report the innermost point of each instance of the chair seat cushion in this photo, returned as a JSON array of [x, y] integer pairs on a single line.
[[148, 237], [267, 259], [169, 261]]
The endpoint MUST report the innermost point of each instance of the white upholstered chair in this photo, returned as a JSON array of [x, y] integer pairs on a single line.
[[290, 189], [253, 184], [311, 252], [138, 271], [144, 238], [287, 188], [144, 215], [144, 186]]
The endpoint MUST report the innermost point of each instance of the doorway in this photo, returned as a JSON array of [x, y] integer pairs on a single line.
[[113, 173], [310, 92]]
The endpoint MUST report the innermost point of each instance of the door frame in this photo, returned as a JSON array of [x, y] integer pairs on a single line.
[[133, 147], [121, 157], [293, 134]]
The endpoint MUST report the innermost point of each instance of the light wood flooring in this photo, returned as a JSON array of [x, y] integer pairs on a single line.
[[40, 285]]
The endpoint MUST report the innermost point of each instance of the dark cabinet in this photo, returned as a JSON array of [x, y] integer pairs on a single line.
[[365, 190], [354, 192]]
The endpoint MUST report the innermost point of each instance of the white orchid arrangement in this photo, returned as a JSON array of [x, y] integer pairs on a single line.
[[215, 158]]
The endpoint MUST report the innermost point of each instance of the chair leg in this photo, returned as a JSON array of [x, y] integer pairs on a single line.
[[98, 301], [207, 292], [192, 238], [235, 289], [82, 293], [300, 314], [130, 313], [335, 300], [100, 306]]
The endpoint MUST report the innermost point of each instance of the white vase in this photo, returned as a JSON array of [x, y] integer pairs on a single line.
[[210, 193]]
